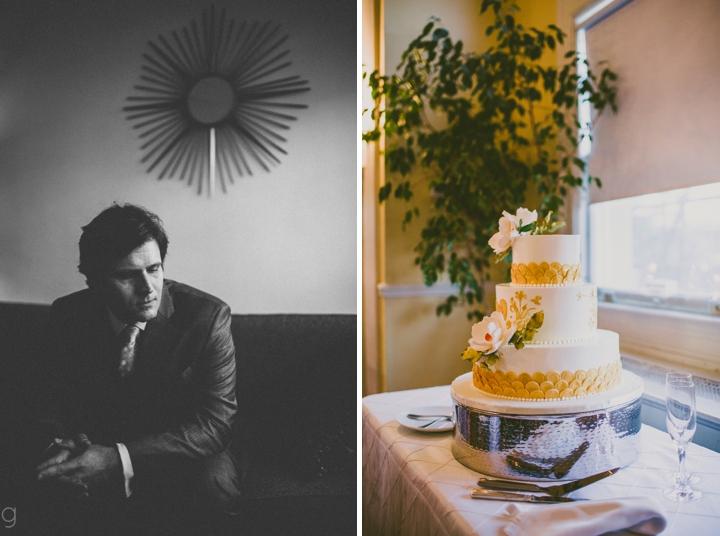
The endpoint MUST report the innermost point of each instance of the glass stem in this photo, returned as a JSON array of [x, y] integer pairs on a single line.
[[682, 475]]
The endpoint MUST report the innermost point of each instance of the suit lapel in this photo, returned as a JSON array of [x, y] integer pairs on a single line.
[[155, 347], [100, 335]]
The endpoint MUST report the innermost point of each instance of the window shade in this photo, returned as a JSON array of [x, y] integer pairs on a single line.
[[666, 134]]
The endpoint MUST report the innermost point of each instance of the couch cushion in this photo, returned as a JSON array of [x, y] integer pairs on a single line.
[[297, 379], [21, 327], [316, 516]]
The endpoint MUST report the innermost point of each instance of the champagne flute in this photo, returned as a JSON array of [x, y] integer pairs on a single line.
[[671, 478], [678, 376], [681, 420]]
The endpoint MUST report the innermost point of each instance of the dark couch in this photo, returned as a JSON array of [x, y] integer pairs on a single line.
[[296, 426]]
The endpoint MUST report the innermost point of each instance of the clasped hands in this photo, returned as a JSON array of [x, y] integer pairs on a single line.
[[80, 465]]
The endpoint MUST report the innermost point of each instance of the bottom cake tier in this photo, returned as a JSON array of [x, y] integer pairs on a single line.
[[538, 372], [546, 440]]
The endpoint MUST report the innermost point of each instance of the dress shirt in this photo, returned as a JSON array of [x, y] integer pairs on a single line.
[[128, 473]]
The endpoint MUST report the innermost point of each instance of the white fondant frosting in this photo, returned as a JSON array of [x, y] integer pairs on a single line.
[[570, 311], [602, 350], [564, 249]]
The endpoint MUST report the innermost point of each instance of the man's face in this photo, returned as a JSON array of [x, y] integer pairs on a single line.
[[132, 288]]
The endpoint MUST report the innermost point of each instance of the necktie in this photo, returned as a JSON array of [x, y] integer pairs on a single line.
[[128, 337]]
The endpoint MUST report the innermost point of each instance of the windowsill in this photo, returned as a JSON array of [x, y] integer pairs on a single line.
[[669, 339], [707, 391], [653, 342]]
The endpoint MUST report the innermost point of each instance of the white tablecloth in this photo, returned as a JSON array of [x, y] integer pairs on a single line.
[[413, 486]]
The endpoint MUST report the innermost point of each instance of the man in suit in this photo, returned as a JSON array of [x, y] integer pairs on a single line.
[[144, 383]]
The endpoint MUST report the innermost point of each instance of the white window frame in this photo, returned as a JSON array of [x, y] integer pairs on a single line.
[[668, 338]]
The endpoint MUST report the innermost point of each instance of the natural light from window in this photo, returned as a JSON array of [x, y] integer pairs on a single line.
[[595, 9], [584, 108], [659, 250]]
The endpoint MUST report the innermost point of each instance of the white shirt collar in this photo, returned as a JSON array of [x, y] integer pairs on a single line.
[[118, 325]]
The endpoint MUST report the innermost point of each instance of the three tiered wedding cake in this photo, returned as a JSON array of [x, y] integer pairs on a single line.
[[547, 398], [542, 341]]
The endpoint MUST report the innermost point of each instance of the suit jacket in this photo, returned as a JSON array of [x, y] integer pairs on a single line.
[[178, 403]]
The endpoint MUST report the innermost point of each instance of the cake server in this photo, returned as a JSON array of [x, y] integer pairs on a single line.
[[494, 495], [553, 491]]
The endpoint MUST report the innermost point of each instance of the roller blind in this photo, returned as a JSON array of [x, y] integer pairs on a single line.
[[666, 134]]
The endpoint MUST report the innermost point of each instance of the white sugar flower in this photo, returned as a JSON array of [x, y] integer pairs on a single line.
[[525, 216], [503, 239], [521, 218], [509, 229], [492, 333]]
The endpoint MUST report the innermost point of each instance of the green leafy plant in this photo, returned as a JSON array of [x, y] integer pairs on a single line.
[[510, 126]]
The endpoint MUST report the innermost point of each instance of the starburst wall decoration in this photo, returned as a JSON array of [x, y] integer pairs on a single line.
[[212, 101]]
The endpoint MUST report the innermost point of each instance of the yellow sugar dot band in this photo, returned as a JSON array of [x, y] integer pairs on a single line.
[[548, 385], [545, 273]]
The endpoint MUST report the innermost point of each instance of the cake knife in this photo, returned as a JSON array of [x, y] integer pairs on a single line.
[[554, 491], [494, 495]]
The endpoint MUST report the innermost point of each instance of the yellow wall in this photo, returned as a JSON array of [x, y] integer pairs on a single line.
[[373, 349], [283, 241], [421, 348]]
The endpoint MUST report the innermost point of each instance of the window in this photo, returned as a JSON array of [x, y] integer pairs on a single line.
[[659, 250], [652, 232]]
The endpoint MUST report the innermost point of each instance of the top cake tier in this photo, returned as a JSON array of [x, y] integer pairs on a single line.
[[546, 260]]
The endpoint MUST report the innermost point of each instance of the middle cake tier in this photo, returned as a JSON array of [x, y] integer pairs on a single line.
[[570, 312], [554, 371]]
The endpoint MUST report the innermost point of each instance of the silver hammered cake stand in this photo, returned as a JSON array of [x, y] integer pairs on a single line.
[[550, 440]]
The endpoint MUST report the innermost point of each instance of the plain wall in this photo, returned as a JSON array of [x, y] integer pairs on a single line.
[[283, 241]]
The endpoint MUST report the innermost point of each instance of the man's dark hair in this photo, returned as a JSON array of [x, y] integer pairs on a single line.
[[114, 233]]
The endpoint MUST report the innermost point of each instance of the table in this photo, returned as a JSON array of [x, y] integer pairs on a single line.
[[412, 484]]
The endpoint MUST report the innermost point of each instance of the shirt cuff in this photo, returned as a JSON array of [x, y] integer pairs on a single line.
[[127, 467]]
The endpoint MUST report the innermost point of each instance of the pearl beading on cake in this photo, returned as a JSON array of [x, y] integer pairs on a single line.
[[553, 385], [540, 400], [562, 341], [543, 285]]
